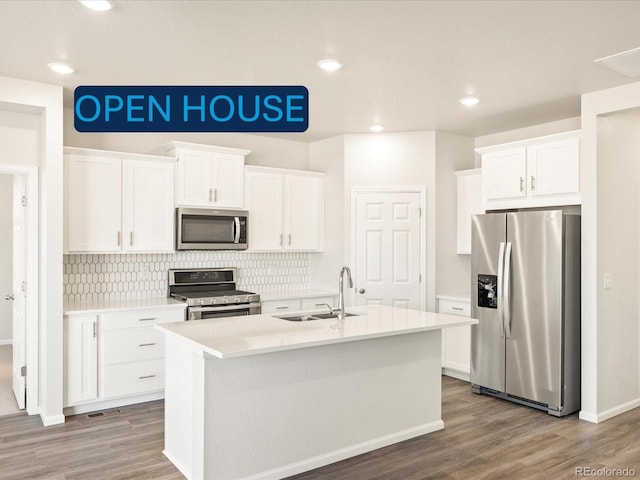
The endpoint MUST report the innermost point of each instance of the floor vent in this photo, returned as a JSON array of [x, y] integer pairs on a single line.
[[106, 413]]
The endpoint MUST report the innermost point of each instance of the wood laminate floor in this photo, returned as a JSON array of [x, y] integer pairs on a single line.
[[484, 438]]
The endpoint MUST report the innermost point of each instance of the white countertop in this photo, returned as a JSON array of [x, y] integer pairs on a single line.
[[456, 297], [290, 294], [100, 306], [256, 334]]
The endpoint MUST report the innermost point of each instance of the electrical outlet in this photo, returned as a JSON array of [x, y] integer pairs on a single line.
[[608, 280]]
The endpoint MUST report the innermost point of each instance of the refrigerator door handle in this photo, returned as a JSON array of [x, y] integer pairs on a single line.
[[506, 293], [500, 287]]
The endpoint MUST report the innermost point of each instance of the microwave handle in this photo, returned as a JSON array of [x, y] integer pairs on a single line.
[[236, 223]]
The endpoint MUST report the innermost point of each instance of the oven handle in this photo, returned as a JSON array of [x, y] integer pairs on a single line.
[[213, 308], [236, 223]]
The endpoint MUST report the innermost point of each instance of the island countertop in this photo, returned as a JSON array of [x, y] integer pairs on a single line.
[[230, 337]]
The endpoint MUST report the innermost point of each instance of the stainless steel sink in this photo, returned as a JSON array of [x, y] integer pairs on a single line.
[[312, 316]]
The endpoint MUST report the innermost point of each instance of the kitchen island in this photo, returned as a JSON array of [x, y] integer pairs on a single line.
[[263, 398]]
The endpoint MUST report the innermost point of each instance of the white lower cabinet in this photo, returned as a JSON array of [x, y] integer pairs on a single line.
[[115, 354], [298, 304], [456, 341]]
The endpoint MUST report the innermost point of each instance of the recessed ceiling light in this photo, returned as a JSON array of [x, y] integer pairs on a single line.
[[98, 5], [330, 64], [61, 68], [469, 101], [376, 128]]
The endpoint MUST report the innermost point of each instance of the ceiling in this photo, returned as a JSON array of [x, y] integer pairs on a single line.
[[406, 63]]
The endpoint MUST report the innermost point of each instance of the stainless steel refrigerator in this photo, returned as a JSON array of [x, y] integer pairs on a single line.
[[525, 293]]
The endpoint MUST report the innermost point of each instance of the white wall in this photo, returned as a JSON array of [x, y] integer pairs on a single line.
[[406, 159], [604, 372], [265, 151], [453, 271], [6, 256], [35, 110], [328, 156], [619, 254]]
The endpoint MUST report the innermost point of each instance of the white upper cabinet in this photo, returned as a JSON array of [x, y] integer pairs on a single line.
[[469, 202], [286, 209], [208, 176], [117, 202], [540, 172]]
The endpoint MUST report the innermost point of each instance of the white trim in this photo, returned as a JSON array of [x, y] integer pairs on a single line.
[[176, 463], [113, 403], [455, 370], [33, 280], [422, 191], [612, 412], [7, 341], [528, 142], [168, 147], [343, 453], [51, 420]]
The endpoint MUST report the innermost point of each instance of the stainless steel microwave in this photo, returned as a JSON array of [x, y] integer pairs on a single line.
[[208, 229]]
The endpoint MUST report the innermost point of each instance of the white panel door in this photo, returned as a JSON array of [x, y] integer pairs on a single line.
[[304, 209], [554, 168], [19, 294], [195, 178], [229, 180], [148, 211], [94, 208], [263, 200], [503, 174], [387, 249]]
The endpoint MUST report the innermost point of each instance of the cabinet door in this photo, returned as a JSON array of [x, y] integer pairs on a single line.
[[195, 178], [554, 168], [304, 213], [229, 180], [469, 202], [81, 357], [148, 211], [94, 193], [503, 174], [263, 200]]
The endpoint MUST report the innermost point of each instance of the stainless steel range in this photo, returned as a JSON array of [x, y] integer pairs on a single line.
[[211, 293]]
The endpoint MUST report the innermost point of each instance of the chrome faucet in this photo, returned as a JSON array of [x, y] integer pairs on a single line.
[[341, 290]]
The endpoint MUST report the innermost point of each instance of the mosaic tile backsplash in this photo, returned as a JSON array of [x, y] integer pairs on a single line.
[[93, 277]]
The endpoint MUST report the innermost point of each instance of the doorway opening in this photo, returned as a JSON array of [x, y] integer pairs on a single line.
[[18, 287]]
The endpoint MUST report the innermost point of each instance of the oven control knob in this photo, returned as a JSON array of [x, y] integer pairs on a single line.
[[237, 299], [201, 302], [225, 300]]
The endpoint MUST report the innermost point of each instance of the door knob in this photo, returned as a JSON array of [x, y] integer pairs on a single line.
[[8, 297], [361, 290]]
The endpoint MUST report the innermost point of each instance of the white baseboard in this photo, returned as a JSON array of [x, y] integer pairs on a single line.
[[8, 341], [51, 419], [348, 452], [113, 403], [183, 470], [612, 412], [456, 373]]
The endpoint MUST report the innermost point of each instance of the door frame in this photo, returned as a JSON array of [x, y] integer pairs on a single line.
[[32, 278], [422, 192]]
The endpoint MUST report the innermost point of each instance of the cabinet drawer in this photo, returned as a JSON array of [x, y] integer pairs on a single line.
[[455, 308], [132, 378], [281, 306], [318, 302], [131, 345], [139, 318]]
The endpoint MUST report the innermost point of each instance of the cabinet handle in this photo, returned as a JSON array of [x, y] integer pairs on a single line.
[[282, 239], [215, 195], [118, 238], [281, 308], [533, 182], [457, 308], [211, 194], [94, 329], [144, 377], [146, 319], [521, 184], [147, 344], [131, 239], [289, 239]]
